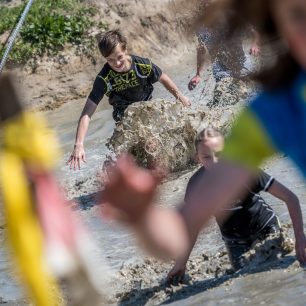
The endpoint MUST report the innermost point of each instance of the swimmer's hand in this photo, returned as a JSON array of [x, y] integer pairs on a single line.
[[176, 274], [77, 156], [194, 82], [300, 248]]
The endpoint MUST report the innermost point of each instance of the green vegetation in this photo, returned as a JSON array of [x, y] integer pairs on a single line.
[[49, 26]]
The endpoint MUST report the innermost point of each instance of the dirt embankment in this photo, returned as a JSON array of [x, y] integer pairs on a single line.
[[153, 28]]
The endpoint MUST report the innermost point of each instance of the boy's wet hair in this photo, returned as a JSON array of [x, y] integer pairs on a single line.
[[240, 14], [209, 132], [108, 41]]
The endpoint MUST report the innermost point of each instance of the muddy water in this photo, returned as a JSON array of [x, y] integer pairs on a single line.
[[117, 243], [280, 283]]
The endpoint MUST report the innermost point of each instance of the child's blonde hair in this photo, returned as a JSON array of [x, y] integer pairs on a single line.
[[210, 132]]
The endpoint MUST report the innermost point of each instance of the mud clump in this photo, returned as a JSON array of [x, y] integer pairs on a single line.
[[273, 247], [158, 132]]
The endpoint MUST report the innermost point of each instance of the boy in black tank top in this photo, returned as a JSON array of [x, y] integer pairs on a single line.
[[124, 79], [248, 220]]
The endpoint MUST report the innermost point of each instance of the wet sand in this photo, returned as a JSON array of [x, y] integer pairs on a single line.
[[140, 280]]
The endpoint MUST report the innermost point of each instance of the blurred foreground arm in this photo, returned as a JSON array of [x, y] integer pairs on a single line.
[[128, 198], [129, 195], [78, 153]]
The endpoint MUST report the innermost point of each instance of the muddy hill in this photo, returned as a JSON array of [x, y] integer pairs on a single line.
[[153, 29]]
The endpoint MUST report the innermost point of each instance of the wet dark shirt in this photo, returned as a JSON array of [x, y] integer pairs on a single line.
[[132, 86], [247, 216]]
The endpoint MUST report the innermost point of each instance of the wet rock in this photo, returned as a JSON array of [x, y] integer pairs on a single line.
[[158, 132]]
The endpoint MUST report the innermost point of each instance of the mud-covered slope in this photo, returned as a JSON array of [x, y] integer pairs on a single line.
[[153, 29]]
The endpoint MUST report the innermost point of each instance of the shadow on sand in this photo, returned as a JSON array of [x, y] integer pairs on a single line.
[[86, 202]]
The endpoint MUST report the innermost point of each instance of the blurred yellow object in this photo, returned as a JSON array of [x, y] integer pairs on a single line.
[[27, 144], [28, 136]]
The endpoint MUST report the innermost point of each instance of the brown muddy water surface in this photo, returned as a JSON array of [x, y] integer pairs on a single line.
[[139, 280]]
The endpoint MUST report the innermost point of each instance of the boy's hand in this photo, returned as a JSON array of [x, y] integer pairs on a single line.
[[185, 101], [194, 82], [77, 155], [300, 248], [129, 192]]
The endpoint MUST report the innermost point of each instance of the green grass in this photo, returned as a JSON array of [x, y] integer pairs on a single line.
[[49, 26]]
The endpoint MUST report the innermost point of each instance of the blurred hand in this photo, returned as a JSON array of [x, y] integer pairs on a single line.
[[300, 248], [255, 50], [77, 155], [129, 192], [160, 172], [194, 82], [176, 274]]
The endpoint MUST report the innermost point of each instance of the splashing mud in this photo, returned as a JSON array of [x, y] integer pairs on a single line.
[[145, 284], [158, 132], [162, 133]]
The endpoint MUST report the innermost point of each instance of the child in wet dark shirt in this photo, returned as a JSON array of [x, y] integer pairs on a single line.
[[247, 220]]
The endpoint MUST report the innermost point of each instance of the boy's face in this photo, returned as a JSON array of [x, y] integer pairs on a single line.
[[206, 154], [119, 60], [290, 16]]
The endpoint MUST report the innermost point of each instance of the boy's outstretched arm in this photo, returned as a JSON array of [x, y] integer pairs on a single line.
[[283, 193], [78, 153], [165, 232], [172, 88]]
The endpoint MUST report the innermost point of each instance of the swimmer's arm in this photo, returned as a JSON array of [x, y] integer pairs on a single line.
[[172, 88], [78, 153], [283, 193]]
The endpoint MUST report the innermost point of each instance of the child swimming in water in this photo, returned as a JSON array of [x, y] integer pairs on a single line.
[[275, 121], [250, 219]]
